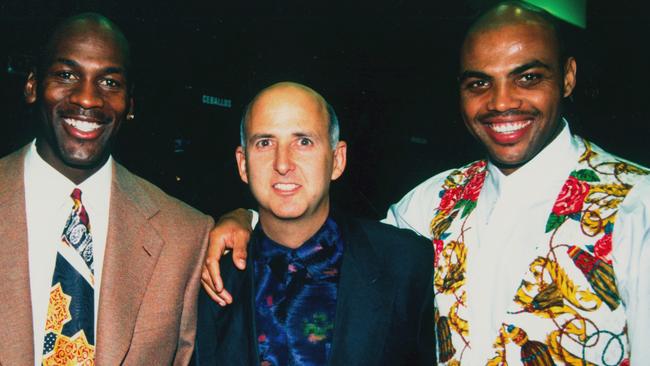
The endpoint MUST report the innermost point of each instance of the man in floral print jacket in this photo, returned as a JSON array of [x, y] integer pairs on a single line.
[[542, 251]]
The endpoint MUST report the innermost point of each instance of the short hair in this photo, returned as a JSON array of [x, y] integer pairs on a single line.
[[44, 53], [333, 128]]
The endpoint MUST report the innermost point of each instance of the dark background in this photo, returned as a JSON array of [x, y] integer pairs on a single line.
[[387, 66]]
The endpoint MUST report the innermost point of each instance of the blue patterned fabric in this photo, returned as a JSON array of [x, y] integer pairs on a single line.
[[295, 299], [69, 326]]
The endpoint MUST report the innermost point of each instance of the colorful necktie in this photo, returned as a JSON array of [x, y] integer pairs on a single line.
[[69, 327]]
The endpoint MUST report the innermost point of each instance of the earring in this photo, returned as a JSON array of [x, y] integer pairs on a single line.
[[130, 116]]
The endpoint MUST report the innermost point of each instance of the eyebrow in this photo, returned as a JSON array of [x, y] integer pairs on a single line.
[[473, 74], [517, 70], [258, 136], [106, 70], [268, 135], [530, 65], [301, 134], [66, 61]]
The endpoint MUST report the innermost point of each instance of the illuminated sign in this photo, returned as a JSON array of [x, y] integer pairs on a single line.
[[221, 102]]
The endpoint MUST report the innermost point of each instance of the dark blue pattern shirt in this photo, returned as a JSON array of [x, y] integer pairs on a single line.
[[295, 300]]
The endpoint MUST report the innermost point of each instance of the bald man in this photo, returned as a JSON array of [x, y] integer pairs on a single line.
[[98, 265], [542, 249], [319, 288]]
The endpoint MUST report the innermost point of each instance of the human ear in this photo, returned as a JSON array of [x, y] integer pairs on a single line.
[[30, 88], [340, 159], [240, 156], [570, 69]]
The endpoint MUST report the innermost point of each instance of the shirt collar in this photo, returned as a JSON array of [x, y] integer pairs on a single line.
[[540, 172], [317, 255], [48, 183]]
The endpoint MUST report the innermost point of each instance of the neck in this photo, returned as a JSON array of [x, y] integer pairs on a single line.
[[292, 233], [508, 169], [76, 174]]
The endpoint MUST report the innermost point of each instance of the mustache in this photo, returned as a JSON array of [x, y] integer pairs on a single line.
[[95, 114], [485, 117]]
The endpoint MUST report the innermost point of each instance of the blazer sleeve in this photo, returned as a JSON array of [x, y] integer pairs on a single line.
[[426, 346], [187, 332]]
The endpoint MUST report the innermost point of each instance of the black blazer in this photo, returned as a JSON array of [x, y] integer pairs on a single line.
[[384, 310]]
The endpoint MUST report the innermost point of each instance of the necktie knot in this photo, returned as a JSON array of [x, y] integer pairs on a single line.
[[76, 194], [77, 230]]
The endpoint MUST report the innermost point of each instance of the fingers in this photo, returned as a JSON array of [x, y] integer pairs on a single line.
[[211, 273], [211, 270], [239, 249], [231, 231], [222, 297]]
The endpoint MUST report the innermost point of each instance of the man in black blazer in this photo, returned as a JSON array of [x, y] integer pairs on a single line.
[[319, 288]]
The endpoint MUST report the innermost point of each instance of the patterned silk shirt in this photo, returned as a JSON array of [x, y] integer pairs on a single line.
[[295, 298]]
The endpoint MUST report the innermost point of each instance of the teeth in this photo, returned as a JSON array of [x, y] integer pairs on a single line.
[[285, 186], [82, 125], [509, 127]]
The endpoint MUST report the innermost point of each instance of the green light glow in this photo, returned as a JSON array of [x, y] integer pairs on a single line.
[[572, 11]]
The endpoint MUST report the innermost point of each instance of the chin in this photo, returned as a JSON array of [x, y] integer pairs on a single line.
[[287, 212], [288, 215], [83, 161]]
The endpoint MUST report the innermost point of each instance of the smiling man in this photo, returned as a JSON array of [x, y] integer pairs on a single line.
[[542, 250], [320, 288], [82, 236]]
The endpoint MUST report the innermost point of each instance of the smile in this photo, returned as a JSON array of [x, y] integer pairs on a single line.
[[509, 127], [83, 126], [286, 187]]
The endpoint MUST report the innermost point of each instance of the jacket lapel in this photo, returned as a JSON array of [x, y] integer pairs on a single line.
[[132, 249], [250, 282], [16, 333], [365, 301]]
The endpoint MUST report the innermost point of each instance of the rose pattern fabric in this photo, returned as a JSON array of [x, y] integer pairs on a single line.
[[437, 249], [450, 198], [567, 303], [603, 248], [473, 188], [572, 197]]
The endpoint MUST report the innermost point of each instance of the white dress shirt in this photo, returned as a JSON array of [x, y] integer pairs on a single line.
[[48, 205], [492, 277]]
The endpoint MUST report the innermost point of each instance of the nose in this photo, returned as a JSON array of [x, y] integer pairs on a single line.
[[504, 97], [283, 162], [87, 95]]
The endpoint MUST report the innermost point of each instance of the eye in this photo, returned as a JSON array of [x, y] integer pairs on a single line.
[[476, 84], [530, 79], [261, 143], [110, 83], [305, 141], [65, 75]]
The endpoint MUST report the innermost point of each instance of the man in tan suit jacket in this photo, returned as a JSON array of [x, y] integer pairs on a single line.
[[154, 246]]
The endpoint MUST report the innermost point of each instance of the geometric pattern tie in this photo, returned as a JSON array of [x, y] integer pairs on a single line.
[[69, 327]]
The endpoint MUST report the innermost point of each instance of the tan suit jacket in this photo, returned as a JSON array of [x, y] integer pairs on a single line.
[[150, 280]]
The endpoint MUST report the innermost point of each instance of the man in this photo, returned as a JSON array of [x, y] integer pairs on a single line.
[[319, 288], [79, 285], [542, 250]]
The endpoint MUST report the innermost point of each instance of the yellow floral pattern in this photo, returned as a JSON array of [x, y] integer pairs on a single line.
[[567, 308]]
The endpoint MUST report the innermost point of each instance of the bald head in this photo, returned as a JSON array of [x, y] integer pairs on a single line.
[[293, 93], [86, 25], [512, 80], [509, 13]]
